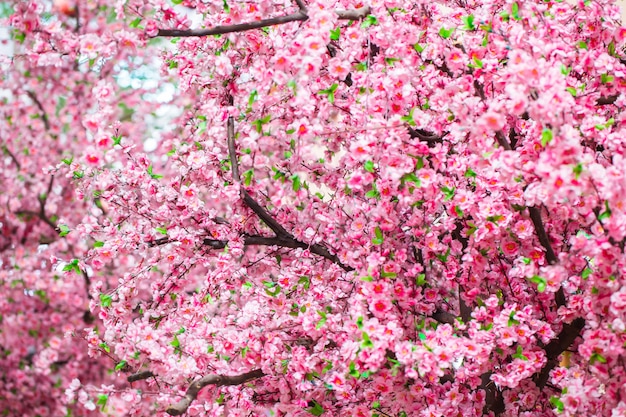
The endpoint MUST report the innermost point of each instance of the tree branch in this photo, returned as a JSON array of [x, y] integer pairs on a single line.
[[299, 16], [139, 376], [502, 141], [535, 216], [558, 345], [232, 153], [44, 115], [603, 101], [13, 158], [213, 379]]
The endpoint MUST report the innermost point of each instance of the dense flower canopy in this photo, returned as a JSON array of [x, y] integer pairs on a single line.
[[334, 207]]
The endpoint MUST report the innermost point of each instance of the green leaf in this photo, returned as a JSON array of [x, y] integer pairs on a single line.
[[135, 23], [546, 136], [305, 282], [226, 7], [60, 105], [105, 300], [352, 371], [578, 169], [335, 34], [468, 22], [315, 408], [515, 11], [247, 177], [162, 230], [102, 401], [373, 193], [606, 78], [98, 244], [571, 90], [367, 342], [420, 279], [297, 184], [495, 219], [586, 272], [476, 64], [565, 70], [368, 166], [596, 357], [64, 230], [512, 321], [448, 192], [419, 48], [606, 213], [519, 354], [540, 281], [446, 33], [253, 97], [152, 174], [271, 288], [582, 45], [322, 321], [378, 238], [370, 20], [557, 403], [175, 342], [469, 173], [121, 365], [72, 266]]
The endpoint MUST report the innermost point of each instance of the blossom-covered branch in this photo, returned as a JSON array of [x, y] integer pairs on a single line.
[[213, 379], [299, 16]]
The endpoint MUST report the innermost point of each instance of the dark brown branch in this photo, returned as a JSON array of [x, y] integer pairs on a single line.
[[247, 199], [241, 27], [44, 115], [603, 101], [425, 136], [535, 216], [444, 317], [299, 16], [502, 141], [556, 347], [13, 158], [139, 376], [217, 380]]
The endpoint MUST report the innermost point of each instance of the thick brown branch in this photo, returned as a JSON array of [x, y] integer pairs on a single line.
[[299, 16], [535, 216], [139, 376], [263, 214], [217, 380], [603, 101], [502, 141], [558, 345], [430, 138]]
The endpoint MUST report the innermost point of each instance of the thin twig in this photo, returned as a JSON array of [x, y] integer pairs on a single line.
[[44, 115], [230, 127], [12, 156], [213, 379]]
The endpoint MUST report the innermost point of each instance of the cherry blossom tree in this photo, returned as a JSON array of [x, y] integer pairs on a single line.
[[338, 208]]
